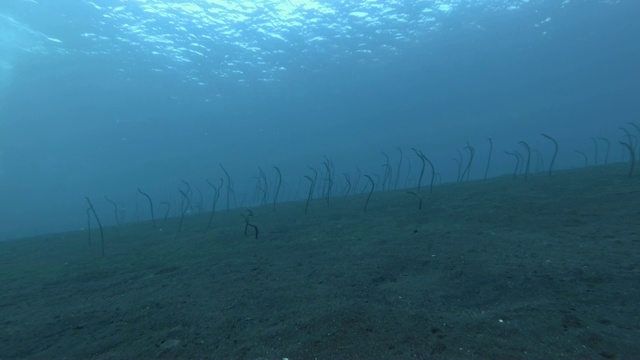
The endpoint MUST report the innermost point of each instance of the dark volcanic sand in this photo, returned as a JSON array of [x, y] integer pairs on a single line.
[[497, 269]]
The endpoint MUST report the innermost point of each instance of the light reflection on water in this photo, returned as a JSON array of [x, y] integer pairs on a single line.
[[257, 40]]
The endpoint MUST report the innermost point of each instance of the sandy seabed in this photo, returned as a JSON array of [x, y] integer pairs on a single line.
[[498, 269]]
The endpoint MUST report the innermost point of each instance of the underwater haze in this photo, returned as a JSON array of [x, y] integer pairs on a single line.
[[101, 98]]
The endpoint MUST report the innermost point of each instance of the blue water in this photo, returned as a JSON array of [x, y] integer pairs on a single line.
[[103, 97]]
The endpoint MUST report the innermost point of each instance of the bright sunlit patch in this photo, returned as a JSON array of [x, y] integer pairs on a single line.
[[358, 14], [97, 7], [444, 7], [543, 22], [237, 38], [53, 39]]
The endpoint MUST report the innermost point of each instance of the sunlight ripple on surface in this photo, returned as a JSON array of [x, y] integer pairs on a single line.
[[212, 39]]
